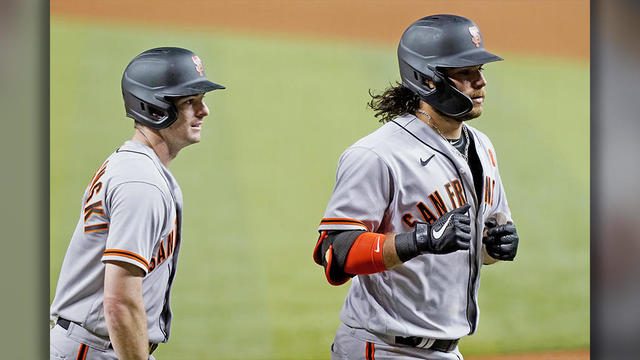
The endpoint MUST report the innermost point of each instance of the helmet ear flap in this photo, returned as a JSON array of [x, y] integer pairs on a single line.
[[423, 81], [448, 99], [444, 96], [159, 115], [415, 80], [434, 75]]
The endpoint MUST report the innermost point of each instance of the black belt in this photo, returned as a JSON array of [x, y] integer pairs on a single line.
[[64, 323], [438, 345]]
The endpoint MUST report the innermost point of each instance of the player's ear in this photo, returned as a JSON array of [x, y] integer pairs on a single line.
[[428, 82]]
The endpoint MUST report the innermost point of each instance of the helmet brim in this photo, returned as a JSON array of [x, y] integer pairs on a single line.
[[469, 58], [194, 88]]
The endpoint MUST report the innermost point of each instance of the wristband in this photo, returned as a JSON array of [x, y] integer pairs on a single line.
[[365, 255], [406, 246]]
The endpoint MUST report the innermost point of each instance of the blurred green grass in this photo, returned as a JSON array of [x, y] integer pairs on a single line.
[[256, 187]]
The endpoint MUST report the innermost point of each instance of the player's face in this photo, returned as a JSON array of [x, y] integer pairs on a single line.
[[186, 130], [470, 81]]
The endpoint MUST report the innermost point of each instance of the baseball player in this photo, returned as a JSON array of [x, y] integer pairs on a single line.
[[418, 205], [113, 292]]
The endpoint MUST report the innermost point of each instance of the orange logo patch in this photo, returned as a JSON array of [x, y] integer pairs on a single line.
[[475, 35], [198, 62]]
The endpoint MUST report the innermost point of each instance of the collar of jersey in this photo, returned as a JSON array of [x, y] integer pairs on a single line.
[[429, 136], [176, 193], [142, 148]]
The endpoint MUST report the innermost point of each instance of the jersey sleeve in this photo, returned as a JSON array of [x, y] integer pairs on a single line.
[[362, 192], [501, 197], [137, 215]]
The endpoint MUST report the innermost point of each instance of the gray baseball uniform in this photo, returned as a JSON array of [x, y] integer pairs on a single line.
[[131, 212], [402, 173]]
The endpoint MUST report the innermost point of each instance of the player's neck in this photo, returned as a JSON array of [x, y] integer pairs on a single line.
[[156, 143], [445, 126]]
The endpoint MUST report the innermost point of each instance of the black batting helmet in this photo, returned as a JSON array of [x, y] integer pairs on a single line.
[[154, 76], [438, 41]]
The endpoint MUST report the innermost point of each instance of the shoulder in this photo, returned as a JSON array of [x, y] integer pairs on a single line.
[[484, 146], [134, 175], [480, 137], [128, 164], [383, 139], [132, 168], [139, 193]]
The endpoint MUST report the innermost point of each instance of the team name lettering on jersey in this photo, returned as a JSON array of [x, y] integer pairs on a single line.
[[164, 252], [489, 187], [455, 194], [95, 208]]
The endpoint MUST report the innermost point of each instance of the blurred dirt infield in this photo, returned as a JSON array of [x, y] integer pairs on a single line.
[[546, 27], [541, 27], [564, 355]]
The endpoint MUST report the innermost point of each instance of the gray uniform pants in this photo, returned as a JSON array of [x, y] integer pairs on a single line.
[[75, 343], [356, 344]]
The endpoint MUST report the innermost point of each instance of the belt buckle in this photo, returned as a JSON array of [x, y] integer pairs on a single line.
[[453, 344], [426, 343], [445, 345]]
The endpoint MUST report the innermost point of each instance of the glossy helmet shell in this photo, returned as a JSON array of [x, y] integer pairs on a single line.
[[435, 42], [155, 76]]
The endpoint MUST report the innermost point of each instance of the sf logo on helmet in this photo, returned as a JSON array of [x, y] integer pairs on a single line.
[[475, 35], [198, 62]]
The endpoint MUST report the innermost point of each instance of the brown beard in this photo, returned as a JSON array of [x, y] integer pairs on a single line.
[[468, 116], [473, 113]]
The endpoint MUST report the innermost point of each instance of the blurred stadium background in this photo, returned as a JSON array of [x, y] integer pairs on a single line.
[[297, 75]]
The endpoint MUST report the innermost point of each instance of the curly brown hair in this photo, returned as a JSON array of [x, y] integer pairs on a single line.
[[396, 100]]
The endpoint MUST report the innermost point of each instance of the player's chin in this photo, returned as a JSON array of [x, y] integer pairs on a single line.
[[194, 137], [194, 133], [475, 112]]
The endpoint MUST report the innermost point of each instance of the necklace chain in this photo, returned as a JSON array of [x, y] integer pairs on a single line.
[[465, 154]]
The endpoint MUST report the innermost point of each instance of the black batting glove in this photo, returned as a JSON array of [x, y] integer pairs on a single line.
[[450, 233], [501, 240]]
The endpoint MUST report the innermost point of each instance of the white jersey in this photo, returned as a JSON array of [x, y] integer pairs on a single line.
[[402, 173], [131, 212]]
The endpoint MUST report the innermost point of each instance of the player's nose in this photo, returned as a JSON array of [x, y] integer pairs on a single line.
[[203, 111], [480, 81]]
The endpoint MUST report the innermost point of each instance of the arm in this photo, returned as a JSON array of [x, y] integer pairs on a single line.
[[124, 310], [389, 253], [500, 241], [499, 238], [486, 258], [345, 254], [499, 218]]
